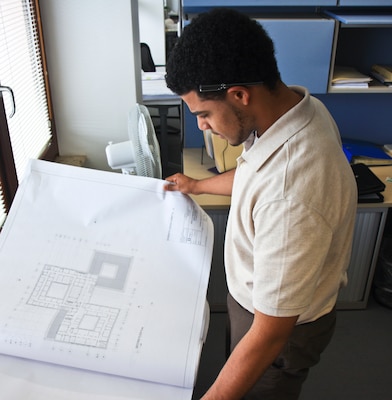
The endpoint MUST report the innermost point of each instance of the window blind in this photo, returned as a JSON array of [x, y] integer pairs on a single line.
[[21, 69], [3, 212]]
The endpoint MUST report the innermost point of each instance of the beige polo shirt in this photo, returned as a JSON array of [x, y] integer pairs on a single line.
[[293, 207]]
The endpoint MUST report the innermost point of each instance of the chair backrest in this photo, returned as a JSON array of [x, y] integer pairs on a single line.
[[146, 57]]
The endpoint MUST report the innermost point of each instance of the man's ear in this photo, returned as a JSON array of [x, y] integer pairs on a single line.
[[239, 93]]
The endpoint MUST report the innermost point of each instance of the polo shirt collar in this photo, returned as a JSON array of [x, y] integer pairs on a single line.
[[281, 131]]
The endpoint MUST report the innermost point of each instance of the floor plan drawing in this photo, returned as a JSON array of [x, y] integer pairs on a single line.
[[103, 287], [78, 321]]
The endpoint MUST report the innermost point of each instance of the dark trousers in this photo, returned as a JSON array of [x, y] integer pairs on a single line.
[[284, 378]]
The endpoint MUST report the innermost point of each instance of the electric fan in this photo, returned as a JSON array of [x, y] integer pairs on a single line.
[[140, 155]]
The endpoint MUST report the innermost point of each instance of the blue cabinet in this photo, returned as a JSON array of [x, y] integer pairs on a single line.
[[303, 50]]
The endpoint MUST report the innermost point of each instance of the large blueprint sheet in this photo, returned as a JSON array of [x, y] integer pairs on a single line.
[[107, 274]]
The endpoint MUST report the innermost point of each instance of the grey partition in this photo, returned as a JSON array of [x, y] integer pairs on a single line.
[[369, 226]]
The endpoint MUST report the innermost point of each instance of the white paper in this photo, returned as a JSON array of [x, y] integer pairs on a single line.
[[104, 272], [156, 88]]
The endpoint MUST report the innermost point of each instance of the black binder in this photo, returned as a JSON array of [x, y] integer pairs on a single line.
[[369, 185]]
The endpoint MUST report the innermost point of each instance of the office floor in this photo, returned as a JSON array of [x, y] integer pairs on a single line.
[[355, 366]]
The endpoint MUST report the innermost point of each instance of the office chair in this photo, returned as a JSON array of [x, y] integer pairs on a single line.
[[146, 57], [224, 154], [148, 65]]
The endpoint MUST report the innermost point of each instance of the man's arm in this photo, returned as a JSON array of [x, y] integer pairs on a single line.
[[221, 184], [251, 357]]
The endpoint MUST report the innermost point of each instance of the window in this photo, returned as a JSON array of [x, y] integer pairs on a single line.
[[29, 133]]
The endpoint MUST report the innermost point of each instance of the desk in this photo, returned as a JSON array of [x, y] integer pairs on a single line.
[[369, 229], [193, 167], [157, 95]]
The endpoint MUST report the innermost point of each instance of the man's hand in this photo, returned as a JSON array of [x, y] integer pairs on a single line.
[[221, 184], [182, 183], [251, 357]]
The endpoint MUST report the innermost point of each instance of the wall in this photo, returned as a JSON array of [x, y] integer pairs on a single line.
[[173, 5], [92, 70], [361, 116], [152, 28]]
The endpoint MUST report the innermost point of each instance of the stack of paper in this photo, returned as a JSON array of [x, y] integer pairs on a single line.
[[383, 73], [388, 149], [349, 78]]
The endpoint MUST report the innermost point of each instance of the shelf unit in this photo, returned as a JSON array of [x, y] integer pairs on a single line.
[[331, 32], [309, 43], [354, 33], [360, 41]]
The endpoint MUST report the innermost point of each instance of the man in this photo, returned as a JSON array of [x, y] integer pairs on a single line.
[[293, 204]]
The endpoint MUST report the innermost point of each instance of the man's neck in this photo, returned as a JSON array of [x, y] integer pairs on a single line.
[[275, 104]]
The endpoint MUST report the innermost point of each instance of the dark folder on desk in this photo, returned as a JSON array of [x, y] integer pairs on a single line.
[[369, 185]]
